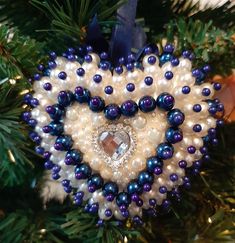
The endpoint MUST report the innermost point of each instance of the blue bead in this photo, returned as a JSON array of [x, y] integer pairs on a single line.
[[27, 98], [65, 142], [65, 183], [197, 128], [56, 128], [165, 58], [207, 68], [71, 50], [206, 92], [56, 112], [88, 58], [197, 108], [196, 73], [48, 165], [147, 104], [82, 171], [32, 122], [123, 199], [110, 188], [152, 202], [112, 112], [62, 75], [173, 135], [89, 49], [175, 117], [104, 55], [37, 76], [130, 87], [97, 78], [152, 60], [162, 189], [153, 162], [129, 108], [39, 150], [121, 60], [131, 58], [182, 164], [186, 90], [175, 61], [174, 177], [165, 151], [191, 149], [34, 102], [52, 55], [73, 156], [52, 64], [186, 53], [119, 70], [65, 98], [55, 176], [47, 86], [104, 65], [148, 80], [165, 101], [108, 90], [82, 95], [217, 86], [80, 72], [96, 104], [168, 48], [40, 67], [145, 178], [134, 187], [71, 57], [130, 66], [168, 75], [108, 213], [96, 181], [26, 116]]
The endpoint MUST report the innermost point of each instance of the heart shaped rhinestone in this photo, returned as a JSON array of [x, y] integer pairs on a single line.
[[120, 138]]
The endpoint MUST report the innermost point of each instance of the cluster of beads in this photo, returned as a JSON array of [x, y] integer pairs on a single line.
[[168, 106]]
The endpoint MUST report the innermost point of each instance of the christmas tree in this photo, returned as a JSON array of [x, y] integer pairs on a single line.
[[34, 207]]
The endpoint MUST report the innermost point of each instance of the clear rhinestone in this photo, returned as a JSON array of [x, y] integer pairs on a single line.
[[114, 144]]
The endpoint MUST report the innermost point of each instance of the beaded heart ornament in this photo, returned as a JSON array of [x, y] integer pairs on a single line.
[[119, 139]]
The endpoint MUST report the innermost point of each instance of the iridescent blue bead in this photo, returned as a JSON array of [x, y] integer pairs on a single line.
[[215, 141], [130, 87], [56, 128], [217, 86], [123, 199], [55, 176], [108, 90], [112, 112], [130, 67], [56, 112], [80, 72], [168, 75], [196, 73], [82, 171], [100, 223], [165, 58], [174, 177], [65, 98], [62, 75], [65, 183], [147, 104], [153, 162], [52, 64], [197, 128], [191, 149], [94, 208], [182, 164], [152, 202], [104, 55], [168, 48], [148, 50], [152, 60], [110, 188], [165, 151], [206, 92], [37, 140], [148, 80], [88, 58], [97, 78], [129, 108], [68, 189], [104, 65], [162, 189], [27, 98], [165, 101], [134, 187], [48, 165], [40, 67], [32, 122], [73, 157], [173, 135], [39, 150], [204, 150], [65, 142], [71, 58], [71, 50], [47, 86], [197, 108], [96, 104], [95, 180], [82, 95], [186, 53], [175, 61], [145, 178], [212, 110], [186, 90]]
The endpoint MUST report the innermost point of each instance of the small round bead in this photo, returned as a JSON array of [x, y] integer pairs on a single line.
[[148, 50], [186, 90], [206, 92], [196, 73], [220, 107], [175, 61], [129, 108], [40, 67], [173, 135], [169, 48], [186, 53], [37, 76], [147, 104], [82, 171], [62, 75], [80, 72], [169, 75], [123, 199], [173, 177], [162, 189], [108, 90], [88, 58], [112, 112], [47, 86], [104, 55], [131, 58], [104, 65], [191, 149], [145, 178], [175, 117], [182, 164], [197, 108], [153, 162], [152, 202], [158, 171], [48, 165], [95, 181], [119, 70], [97, 78], [130, 66], [197, 128], [110, 188], [65, 98], [34, 102], [130, 87], [217, 86], [52, 55], [133, 187], [207, 68], [165, 101], [152, 60], [121, 60], [52, 64], [96, 104], [219, 123], [82, 95], [165, 151], [89, 49], [148, 81], [108, 213]]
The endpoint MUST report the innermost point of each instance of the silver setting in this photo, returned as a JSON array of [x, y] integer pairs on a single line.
[[122, 141]]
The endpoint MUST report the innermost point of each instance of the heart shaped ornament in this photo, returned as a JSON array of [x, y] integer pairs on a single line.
[[121, 138]]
